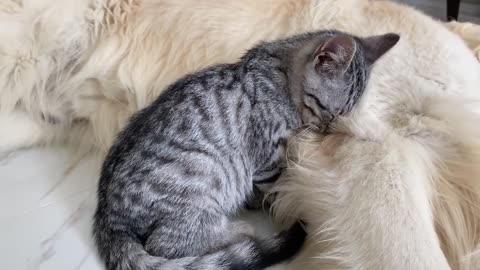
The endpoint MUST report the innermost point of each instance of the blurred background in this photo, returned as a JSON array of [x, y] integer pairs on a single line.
[[469, 9]]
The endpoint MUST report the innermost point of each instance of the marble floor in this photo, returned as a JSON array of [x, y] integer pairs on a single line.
[[46, 212]]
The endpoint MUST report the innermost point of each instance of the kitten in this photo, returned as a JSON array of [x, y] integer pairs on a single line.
[[186, 164]]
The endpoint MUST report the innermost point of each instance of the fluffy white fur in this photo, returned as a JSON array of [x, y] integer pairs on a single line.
[[469, 32], [397, 196], [396, 188]]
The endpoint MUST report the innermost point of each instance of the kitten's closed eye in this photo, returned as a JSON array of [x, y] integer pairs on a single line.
[[337, 73]]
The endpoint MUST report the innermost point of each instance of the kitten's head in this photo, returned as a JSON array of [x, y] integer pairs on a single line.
[[336, 74]]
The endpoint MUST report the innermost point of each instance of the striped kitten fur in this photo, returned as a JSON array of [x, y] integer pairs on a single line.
[[187, 163]]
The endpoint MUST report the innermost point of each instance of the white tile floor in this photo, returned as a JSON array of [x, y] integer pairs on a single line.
[[46, 214]]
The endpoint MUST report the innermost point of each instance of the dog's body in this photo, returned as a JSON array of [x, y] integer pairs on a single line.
[[409, 204]]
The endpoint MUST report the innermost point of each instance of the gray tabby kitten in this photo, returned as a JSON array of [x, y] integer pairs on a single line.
[[184, 166]]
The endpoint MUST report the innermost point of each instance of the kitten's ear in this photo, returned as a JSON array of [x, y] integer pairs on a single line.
[[376, 46], [335, 55]]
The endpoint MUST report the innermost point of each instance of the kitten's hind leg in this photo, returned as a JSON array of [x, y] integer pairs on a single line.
[[235, 232], [196, 238], [250, 252]]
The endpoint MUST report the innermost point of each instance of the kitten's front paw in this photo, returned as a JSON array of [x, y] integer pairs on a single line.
[[254, 204], [258, 200]]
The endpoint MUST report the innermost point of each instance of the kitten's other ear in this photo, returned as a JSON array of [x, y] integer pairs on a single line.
[[335, 55], [376, 46]]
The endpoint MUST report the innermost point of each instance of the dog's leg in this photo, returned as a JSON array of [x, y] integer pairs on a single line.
[[39, 53], [367, 204], [382, 218], [18, 130]]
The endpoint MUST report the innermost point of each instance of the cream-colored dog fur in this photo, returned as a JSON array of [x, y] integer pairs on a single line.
[[396, 188], [380, 196], [469, 32]]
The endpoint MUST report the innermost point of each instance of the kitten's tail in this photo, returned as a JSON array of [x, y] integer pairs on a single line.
[[121, 251]]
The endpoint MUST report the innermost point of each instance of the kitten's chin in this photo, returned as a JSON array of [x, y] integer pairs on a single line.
[[320, 123], [329, 127]]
